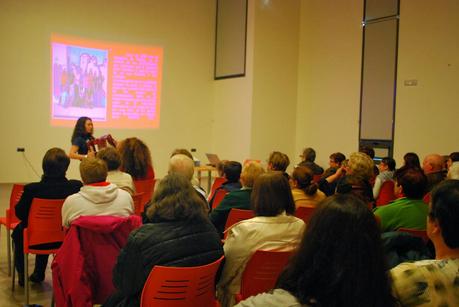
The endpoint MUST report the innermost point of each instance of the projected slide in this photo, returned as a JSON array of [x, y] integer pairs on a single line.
[[117, 85]]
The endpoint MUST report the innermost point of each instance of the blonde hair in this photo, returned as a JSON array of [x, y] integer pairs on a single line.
[[93, 170], [181, 164], [250, 173], [361, 165]]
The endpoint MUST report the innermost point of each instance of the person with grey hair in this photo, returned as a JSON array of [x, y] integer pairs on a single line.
[[308, 157], [433, 169], [182, 164]]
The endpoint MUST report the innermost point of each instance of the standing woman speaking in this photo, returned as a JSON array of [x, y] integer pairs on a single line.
[[82, 133]]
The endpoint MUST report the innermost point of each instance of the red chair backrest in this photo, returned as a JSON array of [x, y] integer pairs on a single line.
[[237, 215], [181, 286], [147, 187], [45, 222], [217, 183], [219, 195], [15, 196], [386, 194], [138, 204], [415, 232], [426, 198], [262, 271], [305, 213]]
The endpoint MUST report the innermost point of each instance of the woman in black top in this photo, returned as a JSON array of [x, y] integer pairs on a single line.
[[82, 133]]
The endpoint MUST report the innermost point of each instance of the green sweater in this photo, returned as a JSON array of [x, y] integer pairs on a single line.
[[239, 199], [403, 213]]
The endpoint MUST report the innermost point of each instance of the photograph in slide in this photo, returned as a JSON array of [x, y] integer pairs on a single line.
[[117, 85]]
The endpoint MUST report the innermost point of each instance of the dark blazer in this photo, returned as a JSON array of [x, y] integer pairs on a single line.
[[239, 199], [47, 188], [168, 243]]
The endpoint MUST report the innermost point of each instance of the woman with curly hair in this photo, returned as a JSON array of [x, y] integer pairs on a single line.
[[136, 159]]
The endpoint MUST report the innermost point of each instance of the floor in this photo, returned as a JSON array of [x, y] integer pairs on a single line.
[[39, 294]]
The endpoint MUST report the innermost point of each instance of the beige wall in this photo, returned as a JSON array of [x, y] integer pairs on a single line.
[[275, 70], [427, 114], [185, 29], [329, 77]]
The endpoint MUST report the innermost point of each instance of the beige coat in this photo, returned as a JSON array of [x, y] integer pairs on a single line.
[[303, 200], [282, 232]]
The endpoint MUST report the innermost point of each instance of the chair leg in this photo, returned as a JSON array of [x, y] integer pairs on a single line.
[[14, 269], [8, 249], [26, 278]]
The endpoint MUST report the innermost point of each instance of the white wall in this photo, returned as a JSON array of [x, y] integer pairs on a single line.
[[329, 77], [185, 29], [427, 114]]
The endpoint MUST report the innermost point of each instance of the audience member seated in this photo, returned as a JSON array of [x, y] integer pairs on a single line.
[[136, 159], [434, 282], [278, 161], [307, 159], [369, 151], [273, 228], [409, 210], [386, 173], [353, 177], [433, 169], [239, 199], [182, 164], [179, 234], [336, 159], [304, 190], [232, 173], [339, 262], [410, 160], [452, 158], [453, 172], [182, 151], [96, 197], [53, 185], [221, 167], [113, 160]]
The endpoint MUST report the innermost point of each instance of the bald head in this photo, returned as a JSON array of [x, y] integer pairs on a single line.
[[181, 164], [432, 163]]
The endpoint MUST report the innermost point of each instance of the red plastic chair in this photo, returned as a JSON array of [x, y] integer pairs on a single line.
[[217, 183], [10, 220], [305, 213], [426, 198], [146, 187], [416, 232], [261, 272], [138, 204], [220, 194], [44, 226], [237, 215], [386, 194], [181, 286]]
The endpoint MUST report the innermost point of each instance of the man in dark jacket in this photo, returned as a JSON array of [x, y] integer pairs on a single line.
[[53, 185]]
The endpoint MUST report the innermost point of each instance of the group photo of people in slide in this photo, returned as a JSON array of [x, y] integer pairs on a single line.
[[79, 82]]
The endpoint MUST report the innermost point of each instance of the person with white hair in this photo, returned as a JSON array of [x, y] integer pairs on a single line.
[[184, 165]]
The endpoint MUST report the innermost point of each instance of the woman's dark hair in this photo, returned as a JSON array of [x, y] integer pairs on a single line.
[[135, 157], [411, 160], [55, 163], [445, 209], [368, 150], [176, 199], [111, 156], [337, 157], [232, 171], [304, 178], [80, 129], [389, 162], [454, 156], [413, 182], [340, 261], [271, 195]]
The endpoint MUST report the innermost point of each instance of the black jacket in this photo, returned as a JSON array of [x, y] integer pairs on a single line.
[[167, 243], [47, 188]]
